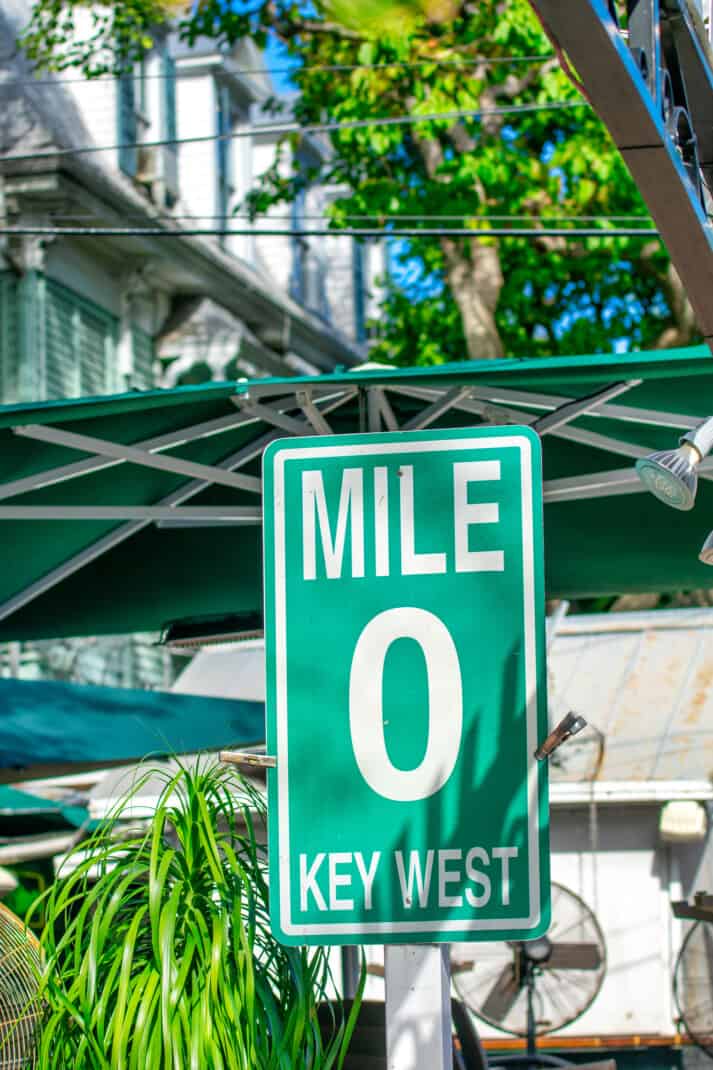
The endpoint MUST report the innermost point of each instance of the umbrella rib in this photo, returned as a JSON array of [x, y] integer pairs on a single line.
[[437, 408], [269, 416], [626, 413], [108, 542], [571, 409], [94, 464], [315, 417], [491, 410], [119, 535], [120, 452], [373, 409], [245, 515], [593, 485], [384, 405], [173, 438]]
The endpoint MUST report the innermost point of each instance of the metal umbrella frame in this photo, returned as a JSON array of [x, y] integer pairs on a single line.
[[124, 513]]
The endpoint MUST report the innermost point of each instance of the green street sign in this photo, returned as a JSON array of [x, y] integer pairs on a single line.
[[404, 625]]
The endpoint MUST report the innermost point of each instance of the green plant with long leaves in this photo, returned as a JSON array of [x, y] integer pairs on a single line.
[[158, 950]]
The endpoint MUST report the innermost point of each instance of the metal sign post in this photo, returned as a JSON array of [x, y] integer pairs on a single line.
[[418, 1007], [405, 698]]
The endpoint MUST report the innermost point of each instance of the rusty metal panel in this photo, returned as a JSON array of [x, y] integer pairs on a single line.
[[644, 682]]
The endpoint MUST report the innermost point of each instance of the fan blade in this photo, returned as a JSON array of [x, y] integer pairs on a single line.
[[502, 995], [566, 956]]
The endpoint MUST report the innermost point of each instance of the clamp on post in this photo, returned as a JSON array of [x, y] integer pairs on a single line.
[[568, 726], [246, 757], [701, 909]]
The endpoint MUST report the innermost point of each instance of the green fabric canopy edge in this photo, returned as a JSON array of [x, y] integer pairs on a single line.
[[15, 803], [654, 364]]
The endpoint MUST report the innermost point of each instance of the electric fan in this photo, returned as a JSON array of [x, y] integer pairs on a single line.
[[19, 1003], [535, 986], [693, 984]]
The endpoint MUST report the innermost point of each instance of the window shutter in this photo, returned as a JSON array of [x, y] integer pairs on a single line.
[[128, 127], [9, 364], [96, 352], [142, 376], [80, 345], [61, 371]]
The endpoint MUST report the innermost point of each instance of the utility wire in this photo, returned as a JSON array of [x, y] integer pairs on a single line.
[[321, 232], [376, 217], [317, 68], [295, 128]]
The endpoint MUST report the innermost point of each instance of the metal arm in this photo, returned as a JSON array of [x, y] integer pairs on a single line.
[[652, 85]]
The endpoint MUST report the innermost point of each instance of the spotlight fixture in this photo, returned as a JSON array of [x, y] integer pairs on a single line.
[[672, 475]]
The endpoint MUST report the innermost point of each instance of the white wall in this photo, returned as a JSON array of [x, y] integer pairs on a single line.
[[241, 163], [95, 98], [273, 255], [197, 111], [628, 883], [196, 116], [97, 101], [79, 268], [339, 268]]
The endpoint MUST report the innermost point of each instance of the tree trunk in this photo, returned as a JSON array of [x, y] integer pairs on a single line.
[[475, 281], [683, 330], [473, 272]]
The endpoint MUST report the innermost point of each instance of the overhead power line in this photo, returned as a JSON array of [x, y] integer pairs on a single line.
[[278, 129], [197, 217], [322, 232], [312, 68]]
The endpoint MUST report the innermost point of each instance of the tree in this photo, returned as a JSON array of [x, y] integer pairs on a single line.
[[157, 944], [549, 159]]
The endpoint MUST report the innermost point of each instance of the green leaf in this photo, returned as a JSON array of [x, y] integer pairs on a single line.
[[169, 963]]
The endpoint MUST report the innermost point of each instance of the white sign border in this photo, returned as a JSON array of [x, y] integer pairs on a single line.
[[366, 449]]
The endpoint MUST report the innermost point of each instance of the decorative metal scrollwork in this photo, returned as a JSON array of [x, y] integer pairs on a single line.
[[647, 69], [681, 133], [667, 104], [654, 37], [641, 60]]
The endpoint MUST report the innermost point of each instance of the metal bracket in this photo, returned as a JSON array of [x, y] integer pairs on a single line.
[[568, 726], [246, 757], [701, 909]]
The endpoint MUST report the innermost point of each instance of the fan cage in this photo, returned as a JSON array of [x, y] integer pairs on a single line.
[[588, 924], [20, 1010], [693, 985]]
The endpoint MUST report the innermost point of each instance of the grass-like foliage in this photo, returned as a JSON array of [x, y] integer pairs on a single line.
[[158, 950]]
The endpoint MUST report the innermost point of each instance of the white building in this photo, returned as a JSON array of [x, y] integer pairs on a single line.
[[97, 314], [82, 314]]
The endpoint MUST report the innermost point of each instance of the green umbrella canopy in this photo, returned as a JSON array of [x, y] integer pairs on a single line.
[[123, 513], [23, 814], [51, 727]]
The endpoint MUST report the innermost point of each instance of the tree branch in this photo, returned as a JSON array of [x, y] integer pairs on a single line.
[[684, 328], [513, 86], [289, 29]]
